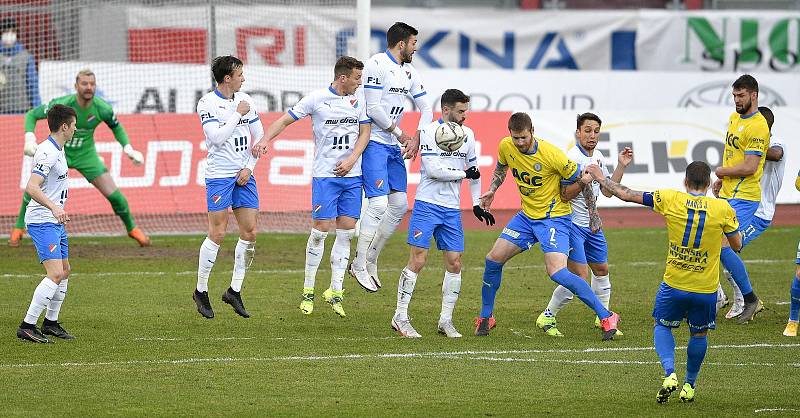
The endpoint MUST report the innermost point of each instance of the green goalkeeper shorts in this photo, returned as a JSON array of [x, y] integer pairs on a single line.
[[89, 165]]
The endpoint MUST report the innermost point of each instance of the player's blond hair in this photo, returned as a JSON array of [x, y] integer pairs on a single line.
[[84, 72]]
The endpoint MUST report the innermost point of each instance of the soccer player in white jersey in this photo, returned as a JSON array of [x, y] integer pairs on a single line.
[[771, 182], [437, 214], [588, 247], [45, 218], [389, 80], [231, 125], [341, 132]]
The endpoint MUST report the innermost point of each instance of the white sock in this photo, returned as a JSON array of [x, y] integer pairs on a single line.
[[560, 299], [340, 255], [601, 286], [451, 287], [41, 298], [405, 288], [737, 293], [315, 247], [376, 209], [397, 208], [208, 256], [54, 307], [720, 292], [243, 256]]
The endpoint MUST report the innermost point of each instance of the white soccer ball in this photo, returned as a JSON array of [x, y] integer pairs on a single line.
[[450, 136]]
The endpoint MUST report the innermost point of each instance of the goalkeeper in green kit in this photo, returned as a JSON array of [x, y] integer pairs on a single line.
[[81, 153]]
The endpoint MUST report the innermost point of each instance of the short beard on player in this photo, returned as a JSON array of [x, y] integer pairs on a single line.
[[406, 56], [745, 107]]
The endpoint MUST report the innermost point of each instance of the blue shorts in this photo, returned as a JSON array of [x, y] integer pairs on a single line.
[[586, 246], [224, 193], [444, 224], [673, 305], [757, 227], [383, 169], [551, 233], [745, 211], [332, 197], [50, 240]]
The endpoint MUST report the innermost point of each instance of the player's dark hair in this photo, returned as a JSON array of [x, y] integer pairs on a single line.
[[452, 96], [519, 122], [768, 115], [224, 65], [698, 175], [399, 32], [583, 117], [59, 115], [746, 82], [345, 65]]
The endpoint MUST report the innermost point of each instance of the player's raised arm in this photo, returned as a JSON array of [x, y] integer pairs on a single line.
[[119, 133], [618, 190], [31, 116], [624, 159]]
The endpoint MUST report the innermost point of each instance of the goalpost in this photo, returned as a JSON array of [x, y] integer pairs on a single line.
[[152, 63]]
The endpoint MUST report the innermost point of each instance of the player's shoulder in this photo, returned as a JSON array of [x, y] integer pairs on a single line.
[[468, 131], [207, 99], [431, 127], [103, 107], [48, 150], [573, 152], [67, 100]]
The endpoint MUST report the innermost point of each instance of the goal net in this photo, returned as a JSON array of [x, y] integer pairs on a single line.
[[152, 64]]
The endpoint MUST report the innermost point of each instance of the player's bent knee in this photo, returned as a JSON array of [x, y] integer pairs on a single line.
[[600, 269], [216, 236], [454, 265], [376, 206], [397, 204]]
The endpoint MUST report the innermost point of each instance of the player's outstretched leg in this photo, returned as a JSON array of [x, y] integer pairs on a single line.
[[734, 264], [794, 305], [315, 248], [120, 206], [738, 300], [207, 258], [608, 319], [397, 206], [492, 278], [376, 208], [665, 348], [19, 227]]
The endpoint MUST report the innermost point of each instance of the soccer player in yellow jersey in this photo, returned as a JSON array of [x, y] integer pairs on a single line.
[[794, 304], [538, 169], [695, 223], [739, 176]]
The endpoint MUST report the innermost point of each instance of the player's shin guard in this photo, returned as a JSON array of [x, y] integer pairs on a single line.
[[734, 264], [54, 307], [121, 209], [794, 304], [492, 277], [397, 208], [208, 256], [581, 289], [41, 298], [695, 353], [451, 287], [561, 297], [315, 248], [665, 347], [601, 286], [340, 255], [242, 258], [376, 208], [405, 289], [26, 198]]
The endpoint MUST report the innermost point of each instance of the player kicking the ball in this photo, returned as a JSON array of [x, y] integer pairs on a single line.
[[437, 210], [341, 132], [230, 124]]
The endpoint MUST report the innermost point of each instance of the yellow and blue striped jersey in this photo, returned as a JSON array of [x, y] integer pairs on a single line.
[[746, 135], [695, 225], [538, 176]]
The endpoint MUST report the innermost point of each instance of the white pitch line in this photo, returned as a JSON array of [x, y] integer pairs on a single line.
[[628, 362], [174, 339], [519, 333], [454, 354], [775, 410]]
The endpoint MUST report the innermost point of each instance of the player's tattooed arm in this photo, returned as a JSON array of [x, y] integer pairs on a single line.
[[498, 177], [595, 223], [622, 192]]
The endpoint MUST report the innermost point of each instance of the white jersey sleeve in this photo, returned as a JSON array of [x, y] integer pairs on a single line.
[[441, 171], [771, 182], [419, 95], [49, 162], [373, 92], [228, 134]]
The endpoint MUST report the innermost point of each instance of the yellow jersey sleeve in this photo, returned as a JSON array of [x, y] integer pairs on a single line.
[[662, 200], [757, 140], [568, 169], [730, 223], [502, 151]]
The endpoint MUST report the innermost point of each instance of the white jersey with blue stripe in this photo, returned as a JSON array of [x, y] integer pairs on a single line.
[[771, 182], [435, 188], [335, 120], [580, 213], [50, 163], [396, 82], [229, 156]]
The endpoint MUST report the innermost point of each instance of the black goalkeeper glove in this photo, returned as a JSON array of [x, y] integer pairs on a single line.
[[473, 173], [483, 215]]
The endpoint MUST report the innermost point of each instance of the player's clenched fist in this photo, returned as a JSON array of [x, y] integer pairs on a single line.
[[243, 108]]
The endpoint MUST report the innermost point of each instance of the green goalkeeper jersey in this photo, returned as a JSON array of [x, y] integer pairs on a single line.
[[82, 143]]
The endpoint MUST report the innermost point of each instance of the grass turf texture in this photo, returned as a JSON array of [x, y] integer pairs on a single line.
[[142, 348]]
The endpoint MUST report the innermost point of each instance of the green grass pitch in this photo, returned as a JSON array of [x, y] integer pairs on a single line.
[[143, 350]]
